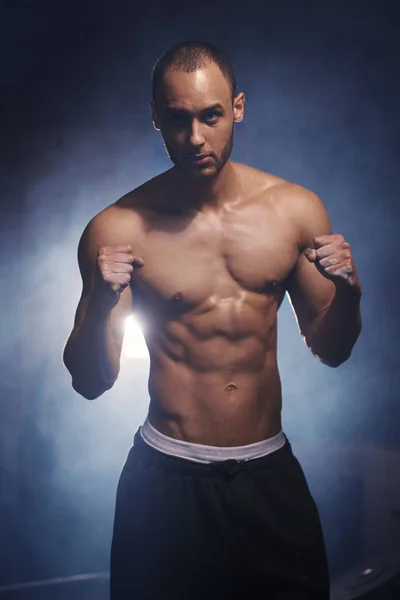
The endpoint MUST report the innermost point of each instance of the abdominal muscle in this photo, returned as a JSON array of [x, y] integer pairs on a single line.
[[218, 392]]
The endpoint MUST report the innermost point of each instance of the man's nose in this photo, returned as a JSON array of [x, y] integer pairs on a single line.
[[196, 135]]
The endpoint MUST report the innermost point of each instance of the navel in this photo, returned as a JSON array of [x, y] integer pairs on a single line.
[[231, 387]]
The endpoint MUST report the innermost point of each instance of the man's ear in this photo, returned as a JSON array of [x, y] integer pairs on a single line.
[[238, 107], [154, 116]]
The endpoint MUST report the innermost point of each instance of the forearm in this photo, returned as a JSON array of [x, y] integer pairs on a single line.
[[91, 355], [334, 332]]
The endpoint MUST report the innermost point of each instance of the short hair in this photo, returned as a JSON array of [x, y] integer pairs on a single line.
[[189, 57]]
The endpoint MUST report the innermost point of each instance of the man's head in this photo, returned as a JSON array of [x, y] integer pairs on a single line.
[[195, 107]]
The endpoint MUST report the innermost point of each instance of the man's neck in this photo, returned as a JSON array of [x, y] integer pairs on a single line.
[[206, 195]]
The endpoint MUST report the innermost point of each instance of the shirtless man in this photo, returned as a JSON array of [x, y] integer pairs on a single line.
[[211, 502]]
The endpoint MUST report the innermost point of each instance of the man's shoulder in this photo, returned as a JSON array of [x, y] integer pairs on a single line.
[[256, 179], [117, 221], [300, 202], [294, 203], [302, 208], [274, 188], [140, 197], [129, 208]]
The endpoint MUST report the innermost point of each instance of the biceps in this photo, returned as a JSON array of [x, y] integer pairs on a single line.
[[310, 293]]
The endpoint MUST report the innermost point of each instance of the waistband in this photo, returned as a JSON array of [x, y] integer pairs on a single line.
[[208, 454]]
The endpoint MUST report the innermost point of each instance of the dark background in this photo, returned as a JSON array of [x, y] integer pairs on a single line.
[[321, 81]]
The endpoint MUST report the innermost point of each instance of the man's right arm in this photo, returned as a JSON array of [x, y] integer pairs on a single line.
[[92, 352]]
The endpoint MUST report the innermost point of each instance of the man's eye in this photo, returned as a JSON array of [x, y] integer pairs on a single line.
[[177, 119], [212, 116]]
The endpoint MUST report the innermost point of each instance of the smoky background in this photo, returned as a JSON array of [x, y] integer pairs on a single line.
[[321, 85]]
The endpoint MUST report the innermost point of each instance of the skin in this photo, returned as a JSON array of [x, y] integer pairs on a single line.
[[205, 255]]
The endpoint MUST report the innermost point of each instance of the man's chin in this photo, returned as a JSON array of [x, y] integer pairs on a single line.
[[204, 174], [198, 173]]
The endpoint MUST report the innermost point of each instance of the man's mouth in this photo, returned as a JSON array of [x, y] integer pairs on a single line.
[[200, 159]]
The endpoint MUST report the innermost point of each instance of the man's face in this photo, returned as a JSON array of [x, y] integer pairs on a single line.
[[195, 115]]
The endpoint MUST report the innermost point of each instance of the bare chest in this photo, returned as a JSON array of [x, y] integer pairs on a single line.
[[206, 259]]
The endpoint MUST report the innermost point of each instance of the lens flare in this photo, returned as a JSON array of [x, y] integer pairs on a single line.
[[134, 345]]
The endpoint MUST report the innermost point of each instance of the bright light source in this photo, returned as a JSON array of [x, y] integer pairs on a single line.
[[134, 345]]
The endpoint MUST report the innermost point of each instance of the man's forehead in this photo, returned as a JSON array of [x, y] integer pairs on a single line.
[[205, 86]]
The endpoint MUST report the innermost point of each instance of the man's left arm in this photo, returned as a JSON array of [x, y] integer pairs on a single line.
[[324, 288]]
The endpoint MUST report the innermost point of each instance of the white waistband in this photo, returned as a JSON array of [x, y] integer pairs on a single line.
[[207, 454]]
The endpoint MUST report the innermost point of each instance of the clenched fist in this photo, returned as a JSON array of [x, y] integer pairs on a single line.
[[114, 267], [332, 257]]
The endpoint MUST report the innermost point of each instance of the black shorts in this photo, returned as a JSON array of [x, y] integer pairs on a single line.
[[187, 530]]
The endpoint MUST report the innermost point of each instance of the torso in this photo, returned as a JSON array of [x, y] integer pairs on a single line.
[[208, 297]]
